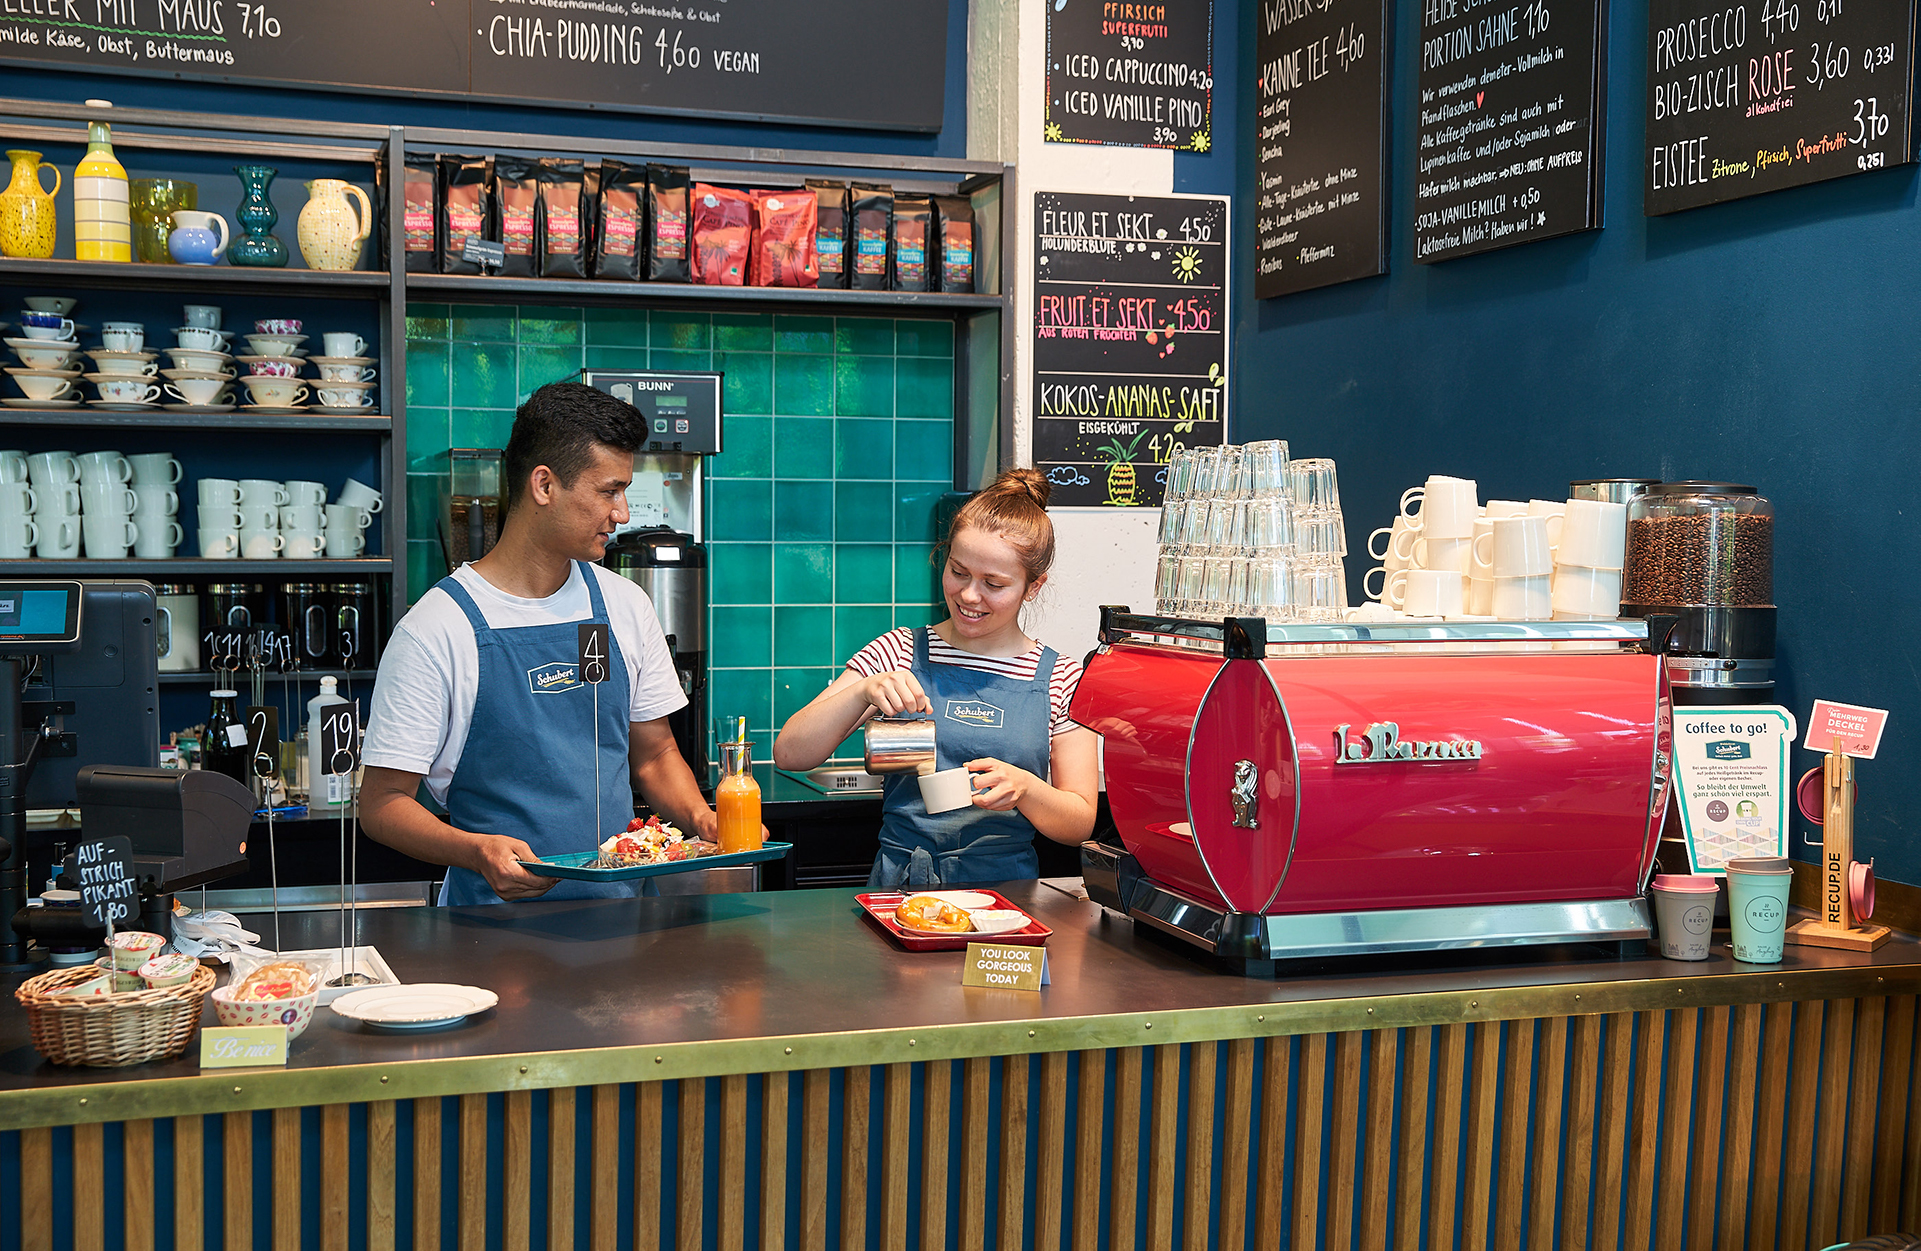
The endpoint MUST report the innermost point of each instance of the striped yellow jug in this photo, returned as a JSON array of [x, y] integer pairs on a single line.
[[102, 229]]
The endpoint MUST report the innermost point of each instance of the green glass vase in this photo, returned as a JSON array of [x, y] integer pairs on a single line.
[[256, 245]]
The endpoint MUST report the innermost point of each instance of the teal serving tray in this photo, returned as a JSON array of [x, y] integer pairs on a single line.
[[574, 864]]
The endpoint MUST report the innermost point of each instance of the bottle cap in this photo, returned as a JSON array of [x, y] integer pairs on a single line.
[[224, 694], [329, 684]]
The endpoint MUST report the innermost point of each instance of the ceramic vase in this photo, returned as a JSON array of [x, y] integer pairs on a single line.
[[26, 209], [197, 238], [329, 232], [256, 245], [102, 223], [155, 201]]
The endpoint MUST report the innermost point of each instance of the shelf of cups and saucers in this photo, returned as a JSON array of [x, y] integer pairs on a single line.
[[1846, 898]]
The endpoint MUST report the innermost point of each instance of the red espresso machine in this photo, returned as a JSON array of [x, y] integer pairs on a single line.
[[1291, 791]]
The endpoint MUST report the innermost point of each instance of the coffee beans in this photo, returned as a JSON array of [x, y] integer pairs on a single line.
[[1711, 557]]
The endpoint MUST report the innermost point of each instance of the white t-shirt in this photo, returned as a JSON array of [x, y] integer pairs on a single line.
[[423, 700]]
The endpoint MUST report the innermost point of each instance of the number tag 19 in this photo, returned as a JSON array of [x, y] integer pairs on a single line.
[[593, 652], [340, 738]]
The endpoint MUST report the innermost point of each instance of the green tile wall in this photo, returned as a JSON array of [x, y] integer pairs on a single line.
[[839, 436]]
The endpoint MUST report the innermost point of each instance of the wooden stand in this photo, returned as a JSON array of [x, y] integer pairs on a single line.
[[1834, 926]]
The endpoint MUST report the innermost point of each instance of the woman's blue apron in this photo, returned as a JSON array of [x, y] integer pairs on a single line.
[[976, 714], [527, 770]]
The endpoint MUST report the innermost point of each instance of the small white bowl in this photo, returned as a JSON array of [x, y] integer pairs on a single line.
[[998, 920]]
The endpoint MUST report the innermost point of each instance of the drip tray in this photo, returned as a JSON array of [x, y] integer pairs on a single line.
[[840, 779]]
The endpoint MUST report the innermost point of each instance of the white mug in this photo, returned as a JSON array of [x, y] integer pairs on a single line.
[[18, 534], [1505, 508], [218, 544], [17, 499], [1480, 597], [132, 391], [343, 542], [219, 491], [1523, 599], [261, 544], [1518, 548], [157, 537], [200, 338], [104, 468], [1431, 593], [13, 466], [58, 539], [47, 468], [1437, 553], [304, 544], [360, 495], [107, 499], [219, 517], [343, 343], [205, 316], [1477, 564], [158, 468], [299, 492], [347, 373], [108, 538], [1593, 534], [259, 517], [1448, 507], [343, 396], [1553, 510], [302, 517], [1588, 592], [153, 500], [345, 516], [58, 499], [123, 340], [263, 491]]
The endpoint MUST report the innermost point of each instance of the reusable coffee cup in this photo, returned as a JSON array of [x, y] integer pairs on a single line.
[[1505, 508], [58, 537], [1590, 592], [157, 536], [1555, 511], [158, 468], [340, 343], [946, 790], [1684, 910], [276, 392], [1758, 908], [60, 304], [57, 499], [18, 534], [219, 491], [218, 544], [1438, 553], [360, 496], [277, 326], [205, 316], [108, 538], [353, 395]]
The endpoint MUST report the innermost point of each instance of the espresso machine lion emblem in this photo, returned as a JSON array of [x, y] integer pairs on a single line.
[[1246, 795]]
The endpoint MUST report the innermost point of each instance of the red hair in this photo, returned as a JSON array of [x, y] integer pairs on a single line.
[[1013, 506]]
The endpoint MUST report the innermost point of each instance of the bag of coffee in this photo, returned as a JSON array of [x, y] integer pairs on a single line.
[[464, 210], [723, 227], [562, 225], [830, 247], [873, 214], [913, 224], [419, 200], [516, 202], [784, 231], [620, 243], [954, 243], [667, 226]]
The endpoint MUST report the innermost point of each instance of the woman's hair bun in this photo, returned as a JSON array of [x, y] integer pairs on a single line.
[[1028, 482]]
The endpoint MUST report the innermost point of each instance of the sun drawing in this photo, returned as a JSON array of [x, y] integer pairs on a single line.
[[1200, 142], [1053, 132], [1187, 264]]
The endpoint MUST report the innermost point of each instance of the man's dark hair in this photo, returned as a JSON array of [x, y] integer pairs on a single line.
[[559, 426]]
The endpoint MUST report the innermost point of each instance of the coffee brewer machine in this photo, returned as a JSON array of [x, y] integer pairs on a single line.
[[660, 546]]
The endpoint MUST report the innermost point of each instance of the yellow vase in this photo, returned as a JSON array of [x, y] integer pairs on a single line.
[[26, 209], [102, 223], [330, 235]]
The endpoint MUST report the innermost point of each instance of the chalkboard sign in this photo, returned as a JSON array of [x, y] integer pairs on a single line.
[[263, 741], [1320, 134], [1137, 73], [103, 871], [1743, 101], [593, 652], [340, 739], [870, 63], [1507, 124], [1130, 342]]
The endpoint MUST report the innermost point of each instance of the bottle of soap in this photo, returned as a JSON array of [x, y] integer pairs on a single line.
[[102, 222], [324, 790]]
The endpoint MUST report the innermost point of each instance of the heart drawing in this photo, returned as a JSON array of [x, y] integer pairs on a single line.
[[1478, 97]]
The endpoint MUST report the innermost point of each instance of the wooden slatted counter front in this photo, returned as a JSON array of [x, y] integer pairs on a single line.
[[769, 1070]]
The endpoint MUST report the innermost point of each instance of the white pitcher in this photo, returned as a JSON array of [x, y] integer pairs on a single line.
[[330, 234]]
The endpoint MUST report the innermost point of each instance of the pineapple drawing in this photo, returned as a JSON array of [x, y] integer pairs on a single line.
[[1121, 483]]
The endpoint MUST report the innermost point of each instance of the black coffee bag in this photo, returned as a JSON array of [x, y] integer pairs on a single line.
[[562, 226], [831, 232], [953, 244], [913, 228], [668, 233], [419, 208], [516, 204], [465, 208], [873, 223], [620, 247]]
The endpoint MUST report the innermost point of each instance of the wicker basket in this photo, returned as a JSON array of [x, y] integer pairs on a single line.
[[109, 1031]]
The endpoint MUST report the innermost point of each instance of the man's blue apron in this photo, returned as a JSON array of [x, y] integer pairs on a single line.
[[976, 714], [527, 771]]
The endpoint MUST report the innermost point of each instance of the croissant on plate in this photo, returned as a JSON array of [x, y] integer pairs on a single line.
[[930, 912]]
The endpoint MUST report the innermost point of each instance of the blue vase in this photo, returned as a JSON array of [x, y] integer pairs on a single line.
[[194, 240], [256, 246]]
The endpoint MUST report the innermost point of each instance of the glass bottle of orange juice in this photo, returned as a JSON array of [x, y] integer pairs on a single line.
[[737, 799]]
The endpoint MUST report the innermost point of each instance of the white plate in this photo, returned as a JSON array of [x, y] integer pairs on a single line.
[[343, 360], [277, 412], [22, 402], [968, 899], [121, 406], [999, 920], [51, 345], [203, 409], [111, 355], [18, 371], [423, 1006]]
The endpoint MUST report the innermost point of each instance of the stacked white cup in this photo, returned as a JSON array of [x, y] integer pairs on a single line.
[[348, 518], [1438, 538], [1517, 550], [18, 533], [219, 518], [303, 520], [156, 512], [1588, 560], [106, 505], [261, 500], [56, 514]]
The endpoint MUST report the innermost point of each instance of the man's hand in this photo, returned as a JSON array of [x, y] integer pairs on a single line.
[[496, 858]]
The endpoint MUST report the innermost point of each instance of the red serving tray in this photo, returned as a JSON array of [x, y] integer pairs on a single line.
[[879, 907]]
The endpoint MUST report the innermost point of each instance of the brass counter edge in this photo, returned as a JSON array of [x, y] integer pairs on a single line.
[[234, 1090]]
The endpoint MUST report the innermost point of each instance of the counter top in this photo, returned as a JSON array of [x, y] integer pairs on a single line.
[[688, 986]]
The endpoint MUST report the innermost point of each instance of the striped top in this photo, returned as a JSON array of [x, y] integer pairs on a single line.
[[894, 651]]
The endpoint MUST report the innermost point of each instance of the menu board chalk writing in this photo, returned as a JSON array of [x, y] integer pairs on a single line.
[[340, 739], [1320, 132], [1130, 342], [103, 870], [593, 652], [1744, 100], [263, 740], [1508, 124], [1132, 73], [767, 60]]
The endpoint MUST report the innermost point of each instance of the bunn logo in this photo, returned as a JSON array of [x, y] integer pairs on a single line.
[[553, 678], [1729, 749], [974, 712]]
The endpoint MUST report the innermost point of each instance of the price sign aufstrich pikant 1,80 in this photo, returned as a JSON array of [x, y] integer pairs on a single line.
[[1130, 340]]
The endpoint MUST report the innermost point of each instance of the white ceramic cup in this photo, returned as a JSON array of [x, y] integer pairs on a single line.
[[45, 387], [1523, 599], [946, 790], [344, 542], [48, 468], [102, 468], [346, 373], [1591, 592], [304, 544], [259, 517], [1482, 553], [121, 339], [17, 499], [341, 343], [263, 491], [13, 466], [201, 391], [1480, 597], [153, 500], [303, 517], [353, 395], [205, 316], [48, 356], [261, 544], [132, 391], [1448, 507], [219, 516], [58, 538], [61, 333], [107, 499], [200, 338], [1430, 593], [158, 468], [18, 534], [299, 492], [125, 367], [360, 495], [276, 392], [218, 544], [59, 499], [348, 517], [1554, 511], [218, 491], [1593, 534], [1437, 553], [157, 537], [108, 538], [1505, 508], [1517, 547]]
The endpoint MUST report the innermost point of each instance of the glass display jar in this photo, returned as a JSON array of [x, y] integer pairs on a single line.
[[1700, 543]]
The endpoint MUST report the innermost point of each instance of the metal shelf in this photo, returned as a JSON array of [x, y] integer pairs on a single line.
[[342, 284], [478, 289], [198, 677], [239, 419], [189, 566]]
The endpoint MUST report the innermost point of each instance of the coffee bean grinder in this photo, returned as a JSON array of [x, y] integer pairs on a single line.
[[660, 547], [1703, 552]]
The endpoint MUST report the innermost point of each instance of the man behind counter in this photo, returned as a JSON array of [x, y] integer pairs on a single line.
[[478, 694]]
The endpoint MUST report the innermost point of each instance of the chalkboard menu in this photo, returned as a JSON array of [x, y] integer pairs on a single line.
[[1130, 340], [1139, 75], [1745, 100], [1508, 124], [1320, 130], [874, 63]]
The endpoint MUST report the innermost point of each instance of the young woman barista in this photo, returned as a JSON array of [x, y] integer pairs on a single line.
[[1032, 768]]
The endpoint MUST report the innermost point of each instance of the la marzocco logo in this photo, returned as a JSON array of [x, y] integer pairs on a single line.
[[553, 678], [974, 712], [1381, 743]]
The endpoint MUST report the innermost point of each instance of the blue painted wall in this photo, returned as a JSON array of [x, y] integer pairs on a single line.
[[1768, 341]]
